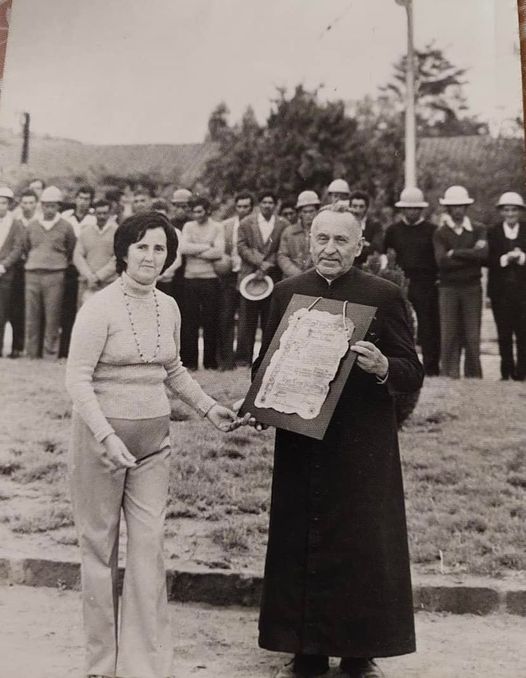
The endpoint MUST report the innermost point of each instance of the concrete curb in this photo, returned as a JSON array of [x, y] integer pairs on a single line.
[[216, 587]]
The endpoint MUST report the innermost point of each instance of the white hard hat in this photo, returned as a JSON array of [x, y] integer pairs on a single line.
[[181, 195], [254, 288], [339, 186], [6, 192], [511, 198], [412, 197], [51, 194], [307, 198], [456, 195]]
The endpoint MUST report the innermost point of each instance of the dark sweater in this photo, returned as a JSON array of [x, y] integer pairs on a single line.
[[413, 246], [463, 266]]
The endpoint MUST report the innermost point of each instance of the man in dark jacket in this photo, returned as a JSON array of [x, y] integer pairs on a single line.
[[258, 242], [461, 249], [337, 580], [507, 284], [411, 239], [360, 203]]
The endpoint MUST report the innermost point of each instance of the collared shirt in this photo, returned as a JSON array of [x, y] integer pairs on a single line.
[[88, 219], [511, 232], [5, 226], [415, 223], [266, 227], [458, 228]]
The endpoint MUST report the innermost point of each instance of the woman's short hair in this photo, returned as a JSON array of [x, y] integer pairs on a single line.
[[134, 229]]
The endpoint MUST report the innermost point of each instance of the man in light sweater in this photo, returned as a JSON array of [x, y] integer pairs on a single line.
[[202, 243], [49, 243], [81, 215], [461, 248], [93, 256]]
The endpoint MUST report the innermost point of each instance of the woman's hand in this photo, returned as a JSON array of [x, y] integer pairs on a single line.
[[115, 454], [224, 419]]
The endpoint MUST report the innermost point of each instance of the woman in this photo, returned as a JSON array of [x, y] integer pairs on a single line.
[[124, 351]]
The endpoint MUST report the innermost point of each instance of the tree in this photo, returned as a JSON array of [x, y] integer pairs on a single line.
[[304, 144], [441, 104]]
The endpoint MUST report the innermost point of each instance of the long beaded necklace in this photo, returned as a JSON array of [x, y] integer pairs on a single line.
[[134, 331]]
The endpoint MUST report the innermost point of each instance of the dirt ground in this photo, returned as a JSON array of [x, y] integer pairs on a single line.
[[41, 637]]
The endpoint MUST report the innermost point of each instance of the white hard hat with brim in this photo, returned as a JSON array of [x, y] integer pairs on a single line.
[[256, 289], [456, 195], [511, 199], [412, 197]]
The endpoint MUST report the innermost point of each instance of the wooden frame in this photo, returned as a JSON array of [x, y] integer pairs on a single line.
[[361, 316]]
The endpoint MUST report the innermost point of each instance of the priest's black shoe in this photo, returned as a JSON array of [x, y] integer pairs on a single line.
[[353, 667], [305, 666]]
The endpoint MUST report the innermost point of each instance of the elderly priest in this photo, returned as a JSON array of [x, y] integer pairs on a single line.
[[337, 580]]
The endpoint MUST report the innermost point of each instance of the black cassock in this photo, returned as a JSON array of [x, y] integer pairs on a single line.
[[337, 579]]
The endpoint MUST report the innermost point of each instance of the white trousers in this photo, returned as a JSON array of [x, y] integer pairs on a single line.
[[142, 647]]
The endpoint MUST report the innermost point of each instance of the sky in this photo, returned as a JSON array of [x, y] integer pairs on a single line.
[[145, 71]]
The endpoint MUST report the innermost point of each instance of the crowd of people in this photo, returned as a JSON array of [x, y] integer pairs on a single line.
[[52, 259]]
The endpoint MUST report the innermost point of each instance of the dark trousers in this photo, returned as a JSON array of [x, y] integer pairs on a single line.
[[423, 295], [44, 295], [174, 289], [200, 309], [17, 308], [69, 309], [5, 300], [460, 317], [250, 314], [509, 311], [228, 305]]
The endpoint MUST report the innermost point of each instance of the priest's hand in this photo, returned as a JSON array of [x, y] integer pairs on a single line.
[[370, 358], [224, 419]]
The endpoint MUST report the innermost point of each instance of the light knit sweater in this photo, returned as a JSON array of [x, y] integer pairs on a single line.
[[105, 376]]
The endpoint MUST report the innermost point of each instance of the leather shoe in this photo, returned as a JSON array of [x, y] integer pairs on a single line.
[[360, 668], [304, 666]]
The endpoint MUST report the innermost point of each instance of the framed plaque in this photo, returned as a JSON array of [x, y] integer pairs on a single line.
[[304, 370]]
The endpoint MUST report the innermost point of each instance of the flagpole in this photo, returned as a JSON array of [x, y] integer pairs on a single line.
[[410, 112]]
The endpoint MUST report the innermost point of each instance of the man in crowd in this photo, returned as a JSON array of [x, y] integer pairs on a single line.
[[202, 244], [142, 201], [372, 231], [81, 215], [258, 243], [229, 293], [339, 191], [26, 210], [294, 247], [507, 284], [461, 249], [181, 213], [93, 256], [288, 211], [49, 245], [11, 245], [411, 240], [337, 579]]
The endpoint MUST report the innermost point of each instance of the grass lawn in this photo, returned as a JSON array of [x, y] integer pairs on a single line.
[[464, 458]]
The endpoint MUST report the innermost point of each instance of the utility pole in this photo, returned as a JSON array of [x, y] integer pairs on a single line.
[[26, 133], [410, 113]]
